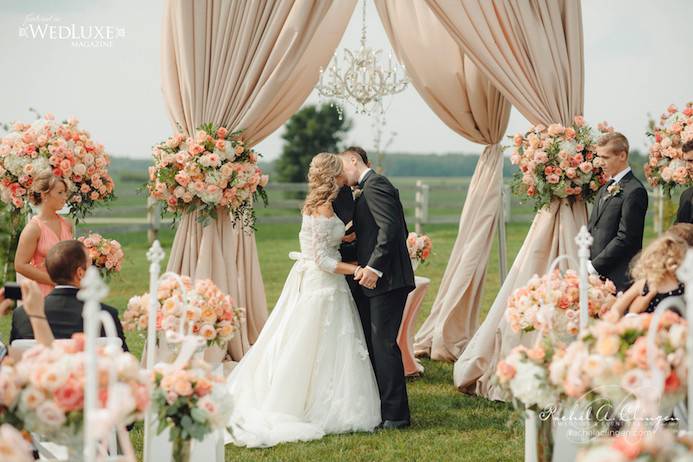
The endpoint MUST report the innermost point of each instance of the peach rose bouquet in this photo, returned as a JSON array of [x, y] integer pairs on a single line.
[[105, 254], [209, 171], [28, 150], [557, 162], [608, 362], [44, 392], [191, 402], [552, 305], [419, 247], [666, 166], [214, 315]]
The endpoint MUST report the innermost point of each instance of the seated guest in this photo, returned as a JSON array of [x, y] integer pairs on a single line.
[[655, 277], [683, 231], [66, 263], [685, 212], [617, 221], [33, 306]]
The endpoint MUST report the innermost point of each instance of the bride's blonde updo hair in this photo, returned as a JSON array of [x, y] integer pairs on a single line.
[[663, 256], [322, 181], [44, 183]]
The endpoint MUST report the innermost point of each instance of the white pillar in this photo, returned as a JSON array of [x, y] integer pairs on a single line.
[[584, 242]]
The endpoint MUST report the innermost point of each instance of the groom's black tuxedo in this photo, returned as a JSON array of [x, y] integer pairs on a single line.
[[381, 243], [685, 211], [617, 224]]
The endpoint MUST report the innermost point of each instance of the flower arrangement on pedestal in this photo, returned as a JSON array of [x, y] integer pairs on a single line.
[[29, 150], [207, 172], [666, 166], [557, 162], [105, 254]]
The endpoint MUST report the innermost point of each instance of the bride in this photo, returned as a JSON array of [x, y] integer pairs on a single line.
[[309, 373]]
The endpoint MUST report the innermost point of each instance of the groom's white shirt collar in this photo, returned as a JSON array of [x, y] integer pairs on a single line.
[[619, 176], [363, 175]]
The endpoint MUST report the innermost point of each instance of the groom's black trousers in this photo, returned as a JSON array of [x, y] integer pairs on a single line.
[[381, 317]]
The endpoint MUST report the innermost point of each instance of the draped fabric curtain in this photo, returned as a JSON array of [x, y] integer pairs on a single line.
[[531, 50], [465, 100], [243, 65]]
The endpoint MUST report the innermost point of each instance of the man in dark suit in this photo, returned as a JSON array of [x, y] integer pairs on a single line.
[[66, 264], [385, 281], [617, 221], [343, 206], [685, 212]]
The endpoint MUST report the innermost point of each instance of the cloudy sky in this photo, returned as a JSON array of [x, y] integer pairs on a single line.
[[637, 61]]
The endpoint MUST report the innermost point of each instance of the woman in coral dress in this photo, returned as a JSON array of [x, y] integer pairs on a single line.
[[43, 231]]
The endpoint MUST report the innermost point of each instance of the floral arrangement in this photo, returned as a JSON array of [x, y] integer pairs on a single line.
[[524, 375], [557, 162], [29, 150], [419, 247], [609, 362], [660, 446], [666, 166], [211, 170], [105, 254], [44, 392], [13, 446], [190, 402], [212, 313], [554, 306]]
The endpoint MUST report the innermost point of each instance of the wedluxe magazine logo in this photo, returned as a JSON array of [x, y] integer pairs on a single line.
[[37, 27]]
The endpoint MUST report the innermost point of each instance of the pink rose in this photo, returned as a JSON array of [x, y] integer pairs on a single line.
[[220, 144], [182, 387], [183, 179], [70, 397], [579, 120], [553, 178], [586, 167], [222, 132]]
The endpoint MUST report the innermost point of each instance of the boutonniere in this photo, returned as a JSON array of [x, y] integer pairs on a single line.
[[614, 190], [357, 193]]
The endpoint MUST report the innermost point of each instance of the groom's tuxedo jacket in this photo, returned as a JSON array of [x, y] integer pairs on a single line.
[[617, 224], [381, 235]]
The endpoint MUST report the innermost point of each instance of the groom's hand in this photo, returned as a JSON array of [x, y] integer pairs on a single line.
[[368, 278], [348, 238]]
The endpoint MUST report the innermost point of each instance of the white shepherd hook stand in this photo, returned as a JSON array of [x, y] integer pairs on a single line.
[[583, 241], [93, 291], [155, 255]]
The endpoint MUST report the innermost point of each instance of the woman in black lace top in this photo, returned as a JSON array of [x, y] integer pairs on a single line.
[[655, 278]]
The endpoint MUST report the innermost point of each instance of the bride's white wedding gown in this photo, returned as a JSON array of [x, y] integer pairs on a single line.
[[309, 373]]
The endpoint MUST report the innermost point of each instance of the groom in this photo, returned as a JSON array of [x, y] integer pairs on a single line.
[[617, 221], [385, 281]]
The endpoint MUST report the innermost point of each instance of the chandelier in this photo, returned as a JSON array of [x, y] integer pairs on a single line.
[[365, 81]]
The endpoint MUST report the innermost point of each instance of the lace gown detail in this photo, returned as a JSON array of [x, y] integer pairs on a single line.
[[309, 373]]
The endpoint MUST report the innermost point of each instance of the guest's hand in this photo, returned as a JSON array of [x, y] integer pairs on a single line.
[[368, 278], [5, 304], [348, 238], [32, 298]]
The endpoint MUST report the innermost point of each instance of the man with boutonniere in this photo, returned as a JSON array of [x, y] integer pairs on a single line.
[[617, 222]]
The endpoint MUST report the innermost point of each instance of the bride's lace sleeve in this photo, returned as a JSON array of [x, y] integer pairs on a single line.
[[321, 245]]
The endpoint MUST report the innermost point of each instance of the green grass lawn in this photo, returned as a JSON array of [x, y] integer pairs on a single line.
[[446, 425]]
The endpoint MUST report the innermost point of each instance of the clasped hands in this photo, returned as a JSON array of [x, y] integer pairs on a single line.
[[366, 277]]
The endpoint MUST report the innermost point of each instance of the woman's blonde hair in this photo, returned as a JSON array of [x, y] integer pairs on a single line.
[[322, 181], [662, 257], [44, 183]]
